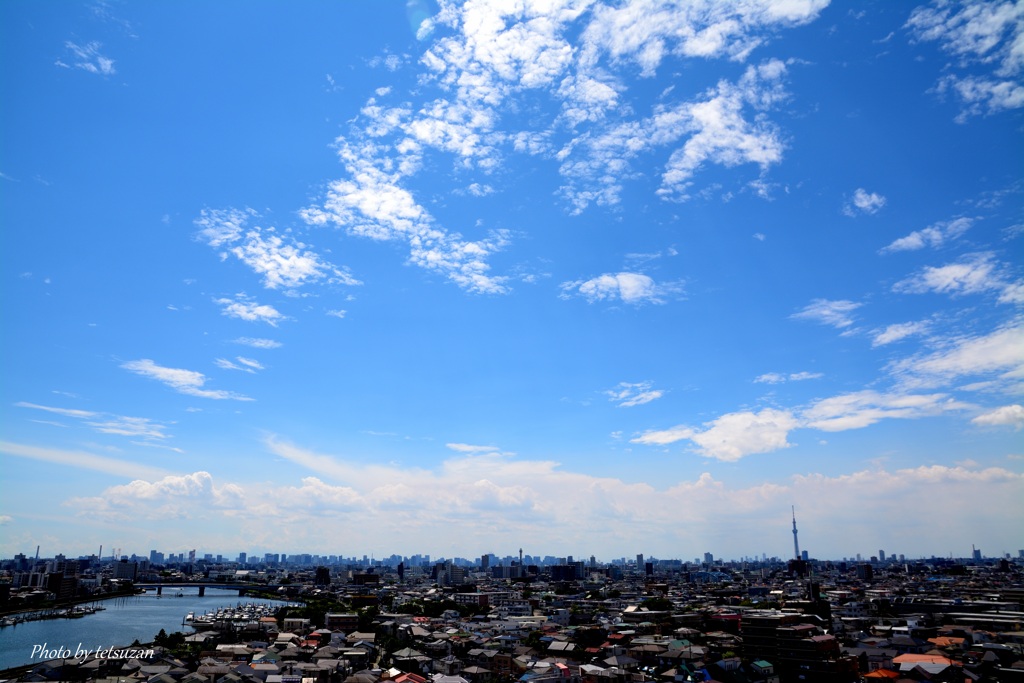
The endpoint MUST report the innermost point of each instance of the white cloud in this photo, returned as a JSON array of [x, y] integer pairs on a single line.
[[722, 135], [664, 437], [736, 435], [187, 382], [982, 33], [469, 448], [492, 500], [778, 378], [715, 129], [973, 274], [863, 408], [1012, 415], [283, 262], [864, 202], [339, 313], [244, 308], [371, 203], [66, 412], [171, 497], [628, 394], [933, 236], [221, 227], [898, 331], [478, 190], [630, 288], [733, 435], [244, 364], [258, 343], [129, 426], [805, 375], [107, 423], [88, 58], [647, 31], [489, 53], [826, 312], [82, 460], [997, 357]]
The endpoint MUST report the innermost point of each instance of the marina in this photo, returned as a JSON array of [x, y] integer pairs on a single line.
[[76, 612], [236, 618]]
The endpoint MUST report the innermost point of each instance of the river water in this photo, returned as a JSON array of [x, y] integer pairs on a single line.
[[122, 621]]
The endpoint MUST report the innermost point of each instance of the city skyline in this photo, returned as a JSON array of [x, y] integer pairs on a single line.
[[622, 276], [192, 556]]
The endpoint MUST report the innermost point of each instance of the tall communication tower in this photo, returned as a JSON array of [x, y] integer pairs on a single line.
[[796, 542]]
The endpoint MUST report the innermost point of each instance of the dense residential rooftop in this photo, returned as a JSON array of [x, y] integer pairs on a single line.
[[588, 622]]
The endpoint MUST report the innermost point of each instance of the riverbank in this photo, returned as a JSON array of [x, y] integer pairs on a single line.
[[7, 611]]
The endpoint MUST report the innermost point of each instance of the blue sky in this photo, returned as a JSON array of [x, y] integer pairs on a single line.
[[580, 277]]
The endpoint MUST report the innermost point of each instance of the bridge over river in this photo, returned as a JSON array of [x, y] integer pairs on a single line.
[[242, 588]]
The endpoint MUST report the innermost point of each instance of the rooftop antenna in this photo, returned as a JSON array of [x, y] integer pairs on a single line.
[[796, 542]]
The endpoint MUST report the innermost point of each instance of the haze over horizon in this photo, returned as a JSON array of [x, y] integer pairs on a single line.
[[568, 275]]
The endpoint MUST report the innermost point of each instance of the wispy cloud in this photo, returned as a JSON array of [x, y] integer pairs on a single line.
[[88, 58], [994, 361], [826, 312], [779, 378], [283, 262], [733, 436], [630, 288], [258, 343], [244, 364], [66, 412], [983, 35], [189, 382], [485, 57], [933, 236], [898, 331], [470, 448], [972, 274], [713, 128], [629, 394], [864, 408], [372, 203], [863, 202], [123, 469], [244, 308], [107, 423]]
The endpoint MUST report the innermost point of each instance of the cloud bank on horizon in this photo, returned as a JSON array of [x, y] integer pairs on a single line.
[[525, 224]]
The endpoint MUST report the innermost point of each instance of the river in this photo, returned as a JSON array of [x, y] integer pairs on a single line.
[[122, 621]]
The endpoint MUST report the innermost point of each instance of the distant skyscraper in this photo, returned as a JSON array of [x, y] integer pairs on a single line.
[[709, 558], [796, 542], [242, 558], [881, 556], [640, 561]]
